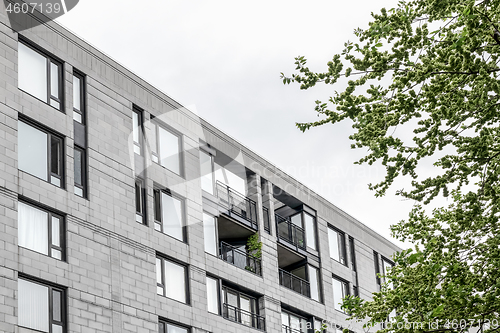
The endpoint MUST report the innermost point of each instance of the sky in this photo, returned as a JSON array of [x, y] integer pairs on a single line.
[[222, 59]]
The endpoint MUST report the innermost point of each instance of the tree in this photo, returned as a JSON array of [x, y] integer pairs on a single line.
[[429, 68]]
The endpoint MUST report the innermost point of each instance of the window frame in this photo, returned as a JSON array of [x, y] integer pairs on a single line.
[[377, 270], [254, 305], [303, 225], [52, 288], [138, 145], [82, 187], [341, 244], [140, 215], [384, 271], [302, 319], [352, 254], [163, 285], [156, 153], [212, 168], [216, 233], [345, 291], [82, 112], [319, 282], [158, 212], [51, 135], [50, 59], [219, 294], [166, 322], [51, 213]]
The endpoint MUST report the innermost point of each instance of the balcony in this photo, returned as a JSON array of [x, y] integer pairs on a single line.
[[267, 221], [290, 233], [243, 317], [294, 283], [240, 259], [238, 206]]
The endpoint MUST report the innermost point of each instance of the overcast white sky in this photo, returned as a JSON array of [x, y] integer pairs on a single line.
[[224, 58]]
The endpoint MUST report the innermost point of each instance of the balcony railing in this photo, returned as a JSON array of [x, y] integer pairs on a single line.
[[238, 204], [294, 283], [288, 329], [290, 232], [243, 317], [267, 220], [240, 258]]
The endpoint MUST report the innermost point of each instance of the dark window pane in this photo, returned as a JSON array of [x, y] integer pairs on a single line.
[[161, 328], [78, 167], [138, 199], [56, 306], [55, 155], [157, 206]]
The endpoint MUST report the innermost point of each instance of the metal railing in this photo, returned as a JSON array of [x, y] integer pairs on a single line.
[[288, 329], [294, 283], [243, 317], [290, 232], [240, 259], [238, 204], [267, 220]]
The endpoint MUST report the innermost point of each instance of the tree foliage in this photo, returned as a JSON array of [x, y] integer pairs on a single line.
[[424, 86]]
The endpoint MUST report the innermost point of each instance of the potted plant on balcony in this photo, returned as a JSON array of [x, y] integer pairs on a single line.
[[254, 248]]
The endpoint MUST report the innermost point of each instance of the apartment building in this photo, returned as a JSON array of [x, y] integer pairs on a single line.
[[122, 211]]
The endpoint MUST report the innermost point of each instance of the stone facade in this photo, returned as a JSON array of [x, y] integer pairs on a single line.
[[108, 272]]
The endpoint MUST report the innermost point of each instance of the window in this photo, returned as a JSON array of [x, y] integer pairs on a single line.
[[310, 226], [40, 75], [166, 148], [41, 307], [171, 280], [40, 153], [166, 327], [207, 174], [377, 269], [240, 307], [308, 223], [210, 233], [213, 295], [80, 172], [169, 214], [336, 241], [292, 323], [314, 282], [140, 201], [40, 230], [353, 254], [387, 266], [78, 97], [137, 129], [340, 290], [318, 326]]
